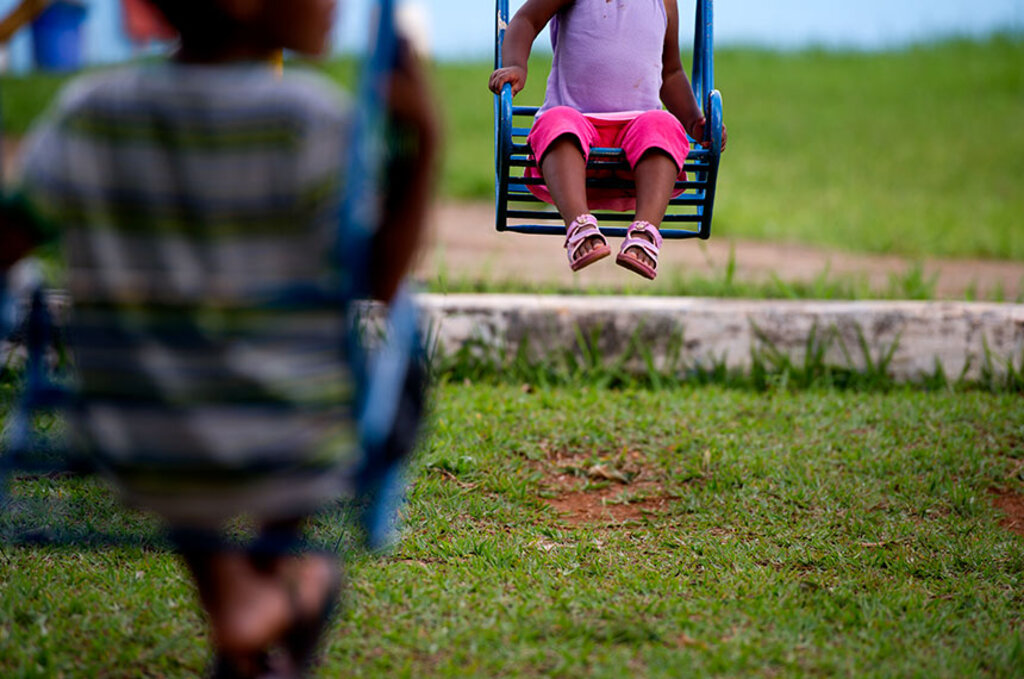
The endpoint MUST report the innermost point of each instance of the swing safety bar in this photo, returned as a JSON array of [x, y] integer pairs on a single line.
[[688, 215]]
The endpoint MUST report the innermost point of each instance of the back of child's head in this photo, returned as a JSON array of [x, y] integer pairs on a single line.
[[190, 17], [300, 25]]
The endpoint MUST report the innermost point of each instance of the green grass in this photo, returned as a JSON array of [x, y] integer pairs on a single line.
[[917, 152], [913, 152], [812, 533]]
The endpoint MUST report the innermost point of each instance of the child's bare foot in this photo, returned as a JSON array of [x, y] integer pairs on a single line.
[[639, 251], [584, 242]]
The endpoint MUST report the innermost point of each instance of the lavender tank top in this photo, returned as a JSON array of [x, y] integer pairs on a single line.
[[608, 56]]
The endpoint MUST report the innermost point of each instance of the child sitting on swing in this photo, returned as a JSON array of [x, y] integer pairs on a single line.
[[615, 63], [198, 203]]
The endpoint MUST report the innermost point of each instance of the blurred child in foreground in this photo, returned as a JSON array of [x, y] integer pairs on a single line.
[[197, 202]]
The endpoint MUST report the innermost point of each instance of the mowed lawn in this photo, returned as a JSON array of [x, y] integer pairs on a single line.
[[580, 531]]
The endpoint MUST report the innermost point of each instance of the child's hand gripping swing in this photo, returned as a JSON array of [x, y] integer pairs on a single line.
[[601, 139]]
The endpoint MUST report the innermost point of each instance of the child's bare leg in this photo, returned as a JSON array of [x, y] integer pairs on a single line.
[[247, 610], [655, 176], [254, 601], [565, 173]]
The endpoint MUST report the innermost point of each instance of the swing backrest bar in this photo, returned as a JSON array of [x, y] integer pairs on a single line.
[[689, 214]]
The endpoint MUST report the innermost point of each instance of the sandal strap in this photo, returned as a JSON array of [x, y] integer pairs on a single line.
[[582, 228], [648, 228], [635, 241], [647, 246]]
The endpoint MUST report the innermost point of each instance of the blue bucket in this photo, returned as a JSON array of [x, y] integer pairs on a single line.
[[57, 36]]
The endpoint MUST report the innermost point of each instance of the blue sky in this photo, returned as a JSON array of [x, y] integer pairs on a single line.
[[464, 28]]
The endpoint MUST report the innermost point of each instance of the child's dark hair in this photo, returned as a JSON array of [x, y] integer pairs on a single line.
[[193, 18]]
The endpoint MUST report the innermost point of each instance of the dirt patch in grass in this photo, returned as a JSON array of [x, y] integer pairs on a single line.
[[586, 490], [1012, 506], [604, 507]]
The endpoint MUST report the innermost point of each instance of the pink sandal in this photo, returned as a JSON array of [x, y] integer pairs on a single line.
[[582, 228], [631, 261]]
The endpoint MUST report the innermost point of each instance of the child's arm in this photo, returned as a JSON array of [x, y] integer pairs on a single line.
[[519, 36], [409, 176], [676, 91]]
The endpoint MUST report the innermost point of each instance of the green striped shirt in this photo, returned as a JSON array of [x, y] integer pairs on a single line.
[[198, 208]]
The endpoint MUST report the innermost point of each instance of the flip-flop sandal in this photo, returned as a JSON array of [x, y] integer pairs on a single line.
[[263, 665], [583, 228], [302, 642], [630, 261]]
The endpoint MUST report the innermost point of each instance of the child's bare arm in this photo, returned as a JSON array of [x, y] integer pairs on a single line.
[[676, 91], [410, 176], [522, 31]]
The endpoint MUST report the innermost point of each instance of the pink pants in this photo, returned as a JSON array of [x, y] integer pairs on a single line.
[[635, 136]]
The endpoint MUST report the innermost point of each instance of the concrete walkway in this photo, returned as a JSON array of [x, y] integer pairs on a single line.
[[463, 246]]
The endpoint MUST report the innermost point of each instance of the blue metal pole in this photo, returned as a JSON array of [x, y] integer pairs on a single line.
[[388, 386], [360, 206], [703, 80], [709, 50], [502, 123]]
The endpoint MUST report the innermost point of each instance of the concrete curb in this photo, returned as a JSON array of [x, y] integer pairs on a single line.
[[963, 338]]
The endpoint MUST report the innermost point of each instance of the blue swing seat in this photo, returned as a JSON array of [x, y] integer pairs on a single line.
[[688, 215]]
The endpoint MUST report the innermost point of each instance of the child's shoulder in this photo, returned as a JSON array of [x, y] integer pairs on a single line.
[[317, 91], [87, 90], [243, 86]]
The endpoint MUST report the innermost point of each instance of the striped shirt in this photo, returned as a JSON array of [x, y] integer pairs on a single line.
[[198, 209]]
